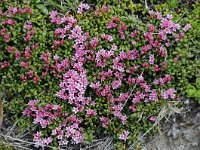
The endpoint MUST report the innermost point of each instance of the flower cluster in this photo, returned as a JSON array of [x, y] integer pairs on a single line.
[[47, 116], [83, 7], [99, 81], [104, 9]]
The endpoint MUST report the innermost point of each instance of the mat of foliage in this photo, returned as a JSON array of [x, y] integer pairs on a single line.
[[98, 70]]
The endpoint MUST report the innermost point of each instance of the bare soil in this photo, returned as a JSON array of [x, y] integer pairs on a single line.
[[180, 132]]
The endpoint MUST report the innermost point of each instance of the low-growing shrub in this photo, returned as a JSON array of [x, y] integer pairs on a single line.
[[91, 73]]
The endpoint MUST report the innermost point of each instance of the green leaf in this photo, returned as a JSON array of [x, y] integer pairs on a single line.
[[54, 4], [42, 8], [197, 94], [191, 92], [198, 83]]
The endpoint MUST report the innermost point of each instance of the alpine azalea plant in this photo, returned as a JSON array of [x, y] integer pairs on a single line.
[[103, 80]]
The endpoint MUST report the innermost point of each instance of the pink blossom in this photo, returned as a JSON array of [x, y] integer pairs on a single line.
[[56, 57], [37, 136], [156, 68], [133, 42], [94, 42], [96, 85], [151, 27], [17, 55], [27, 10], [133, 34], [133, 108], [107, 37], [170, 93], [28, 25], [113, 47], [54, 17], [105, 9], [148, 36], [151, 59], [123, 118], [124, 135], [153, 95], [151, 13], [145, 65], [9, 22], [25, 64], [111, 25], [10, 49], [187, 27], [5, 64], [169, 16], [131, 81], [30, 73], [152, 118], [90, 113], [6, 38], [23, 77], [105, 121], [27, 38], [158, 15], [83, 7], [36, 79]]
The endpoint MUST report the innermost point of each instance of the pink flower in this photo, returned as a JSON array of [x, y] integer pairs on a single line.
[[28, 25], [133, 42], [83, 7], [151, 27], [90, 113], [96, 85], [27, 10], [169, 16], [156, 68], [133, 34], [151, 13], [105, 121], [107, 37], [145, 65], [151, 59], [25, 64], [133, 108], [23, 77], [123, 118], [30, 73], [37, 136], [17, 55], [116, 84], [131, 81], [27, 38], [153, 95], [187, 27], [36, 79], [56, 57], [105, 9], [158, 15], [111, 25], [113, 48], [124, 135], [152, 118], [148, 36], [170, 93], [94, 42], [9, 22], [5, 64], [10, 49]]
